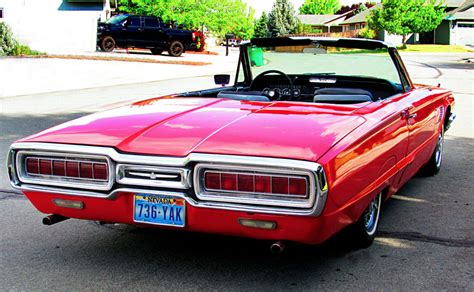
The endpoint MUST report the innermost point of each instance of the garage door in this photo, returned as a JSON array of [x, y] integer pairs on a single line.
[[463, 34]]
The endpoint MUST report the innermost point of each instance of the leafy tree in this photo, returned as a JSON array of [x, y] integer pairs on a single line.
[[282, 18], [320, 7], [261, 27], [403, 17], [358, 7], [217, 16]]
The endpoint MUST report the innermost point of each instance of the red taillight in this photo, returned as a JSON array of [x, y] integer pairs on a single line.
[[229, 181], [212, 180], [255, 183], [245, 183], [100, 171], [59, 167], [263, 184], [86, 170], [66, 168], [298, 186], [45, 167], [72, 169], [32, 165]]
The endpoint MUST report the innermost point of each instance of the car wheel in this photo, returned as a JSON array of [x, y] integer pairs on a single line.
[[176, 49], [156, 51], [365, 229], [434, 164], [107, 44]]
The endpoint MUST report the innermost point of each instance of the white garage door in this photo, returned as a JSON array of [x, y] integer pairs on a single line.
[[463, 33]]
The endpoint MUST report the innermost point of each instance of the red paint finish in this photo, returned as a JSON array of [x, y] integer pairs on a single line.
[[309, 230], [364, 149]]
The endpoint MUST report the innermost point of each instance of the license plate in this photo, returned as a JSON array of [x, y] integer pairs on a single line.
[[159, 210]]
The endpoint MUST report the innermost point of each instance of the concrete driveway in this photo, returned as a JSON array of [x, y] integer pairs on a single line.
[[426, 240]]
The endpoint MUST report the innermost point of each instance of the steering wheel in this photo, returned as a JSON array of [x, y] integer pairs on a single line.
[[259, 76]]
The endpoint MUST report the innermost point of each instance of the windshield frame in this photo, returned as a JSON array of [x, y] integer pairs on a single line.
[[405, 80]]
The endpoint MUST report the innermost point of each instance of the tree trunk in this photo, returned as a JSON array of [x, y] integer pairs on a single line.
[[404, 41]]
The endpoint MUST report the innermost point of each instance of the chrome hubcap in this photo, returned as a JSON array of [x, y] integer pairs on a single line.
[[371, 215], [439, 150]]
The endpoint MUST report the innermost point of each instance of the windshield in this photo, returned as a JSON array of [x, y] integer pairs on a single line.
[[117, 19], [314, 59]]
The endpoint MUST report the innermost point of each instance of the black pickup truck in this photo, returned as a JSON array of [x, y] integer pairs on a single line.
[[147, 32]]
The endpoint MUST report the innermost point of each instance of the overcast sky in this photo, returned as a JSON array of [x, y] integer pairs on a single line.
[[266, 5]]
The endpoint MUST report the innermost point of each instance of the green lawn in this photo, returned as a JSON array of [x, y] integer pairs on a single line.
[[436, 49]]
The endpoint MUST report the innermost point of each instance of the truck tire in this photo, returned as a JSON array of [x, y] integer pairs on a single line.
[[156, 51], [107, 44], [176, 49]]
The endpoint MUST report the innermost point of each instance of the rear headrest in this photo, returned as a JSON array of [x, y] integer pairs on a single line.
[[344, 91], [241, 96], [341, 98]]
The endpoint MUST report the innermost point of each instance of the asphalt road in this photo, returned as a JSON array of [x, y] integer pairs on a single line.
[[426, 240]]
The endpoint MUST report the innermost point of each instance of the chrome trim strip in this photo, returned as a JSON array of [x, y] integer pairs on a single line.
[[254, 198], [161, 176], [149, 160]]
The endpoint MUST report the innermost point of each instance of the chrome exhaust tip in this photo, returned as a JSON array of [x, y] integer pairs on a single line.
[[277, 247], [53, 219]]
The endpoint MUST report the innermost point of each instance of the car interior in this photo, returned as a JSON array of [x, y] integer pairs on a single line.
[[306, 88], [332, 88]]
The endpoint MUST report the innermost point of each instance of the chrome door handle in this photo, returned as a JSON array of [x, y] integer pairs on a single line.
[[406, 115]]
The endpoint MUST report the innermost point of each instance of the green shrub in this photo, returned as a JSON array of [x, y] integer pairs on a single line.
[[7, 42], [367, 33], [10, 47]]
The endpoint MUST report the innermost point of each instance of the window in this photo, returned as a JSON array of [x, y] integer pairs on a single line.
[[459, 24], [152, 22], [357, 26], [133, 21], [1, 12]]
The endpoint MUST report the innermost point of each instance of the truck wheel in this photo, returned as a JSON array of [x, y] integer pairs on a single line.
[[176, 49], [364, 231], [434, 164], [156, 51], [107, 44]]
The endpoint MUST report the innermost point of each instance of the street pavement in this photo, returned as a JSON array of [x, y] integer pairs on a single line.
[[426, 240]]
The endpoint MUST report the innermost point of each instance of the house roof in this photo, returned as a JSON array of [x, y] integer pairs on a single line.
[[453, 3], [361, 17], [316, 19], [322, 19], [463, 12]]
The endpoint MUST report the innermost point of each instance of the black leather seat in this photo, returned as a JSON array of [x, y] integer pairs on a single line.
[[343, 91], [235, 95]]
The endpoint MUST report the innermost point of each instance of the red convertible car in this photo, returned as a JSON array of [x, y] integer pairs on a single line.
[[312, 137]]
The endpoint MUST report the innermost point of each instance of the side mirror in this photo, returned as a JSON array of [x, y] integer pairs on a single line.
[[222, 79], [125, 23]]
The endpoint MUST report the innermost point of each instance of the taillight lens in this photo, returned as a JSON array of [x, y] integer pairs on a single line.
[[67, 168], [274, 184]]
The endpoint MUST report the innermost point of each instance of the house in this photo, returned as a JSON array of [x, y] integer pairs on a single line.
[[325, 23], [457, 28], [56, 26]]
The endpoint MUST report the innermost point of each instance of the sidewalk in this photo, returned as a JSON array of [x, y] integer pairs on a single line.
[[22, 76]]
